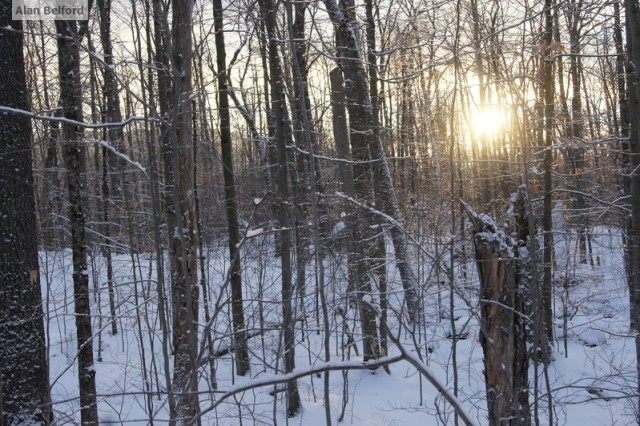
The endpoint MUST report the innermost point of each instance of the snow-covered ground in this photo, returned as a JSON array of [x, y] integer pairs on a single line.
[[590, 381]]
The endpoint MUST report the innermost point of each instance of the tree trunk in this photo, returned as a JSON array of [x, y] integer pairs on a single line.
[[381, 248], [546, 335], [111, 162], [281, 178], [364, 146], [231, 201], [632, 9], [501, 325], [359, 242], [24, 372], [74, 158], [165, 86], [183, 238]]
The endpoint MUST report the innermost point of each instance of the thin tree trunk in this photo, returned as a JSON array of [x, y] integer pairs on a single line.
[[114, 136], [632, 10], [157, 217], [381, 247], [365, 147], [164, 95], [360, 239], [74, 158], [281, 178], [231, 201], [549, 92]]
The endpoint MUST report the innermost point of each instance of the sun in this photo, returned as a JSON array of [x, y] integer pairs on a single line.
[[486, 122]]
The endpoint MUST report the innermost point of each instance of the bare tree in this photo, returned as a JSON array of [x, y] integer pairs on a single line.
[[282, 138], [548, 90], [24, 371], [183, 238], [231, 200], [632, 10], [365, 146], [74, 158]]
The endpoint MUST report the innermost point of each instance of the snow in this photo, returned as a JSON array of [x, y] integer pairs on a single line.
[[254, 232], [590, 380]]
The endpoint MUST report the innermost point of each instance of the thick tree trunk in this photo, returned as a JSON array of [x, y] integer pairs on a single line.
[[24, 373], [183, 238], [502, 328], [74, 158], [231, 202]]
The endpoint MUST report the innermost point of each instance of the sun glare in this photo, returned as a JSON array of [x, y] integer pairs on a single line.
[[487, 122]]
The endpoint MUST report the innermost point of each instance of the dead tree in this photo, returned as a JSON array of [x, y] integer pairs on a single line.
[[502, 323]]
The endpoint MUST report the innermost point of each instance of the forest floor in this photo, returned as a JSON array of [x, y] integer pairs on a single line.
[[590, 379]]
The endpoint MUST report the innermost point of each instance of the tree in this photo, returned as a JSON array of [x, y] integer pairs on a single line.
[[231, 201], [24, 372], [183, 238], [548, 90], [366, 146], [74, 158], [502, 327], [282, 138], [632, 10], [114, 135]]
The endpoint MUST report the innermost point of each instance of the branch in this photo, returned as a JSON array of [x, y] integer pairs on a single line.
[[428, 374], [9, 110], [119, 154], [274, 379]]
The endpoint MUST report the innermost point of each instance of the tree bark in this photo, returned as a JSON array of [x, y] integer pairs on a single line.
[[74, 158], [24, 371], [184, 239], [282, 136], [111, 162], [502, 328], [548, 90], [632, 11], [366, 146], [231, 201]]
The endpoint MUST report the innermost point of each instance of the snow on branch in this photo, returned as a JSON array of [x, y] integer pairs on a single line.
[[119, 154], [385, 216], [274, 379], [343, 160], [486, 229], [9, 110]]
